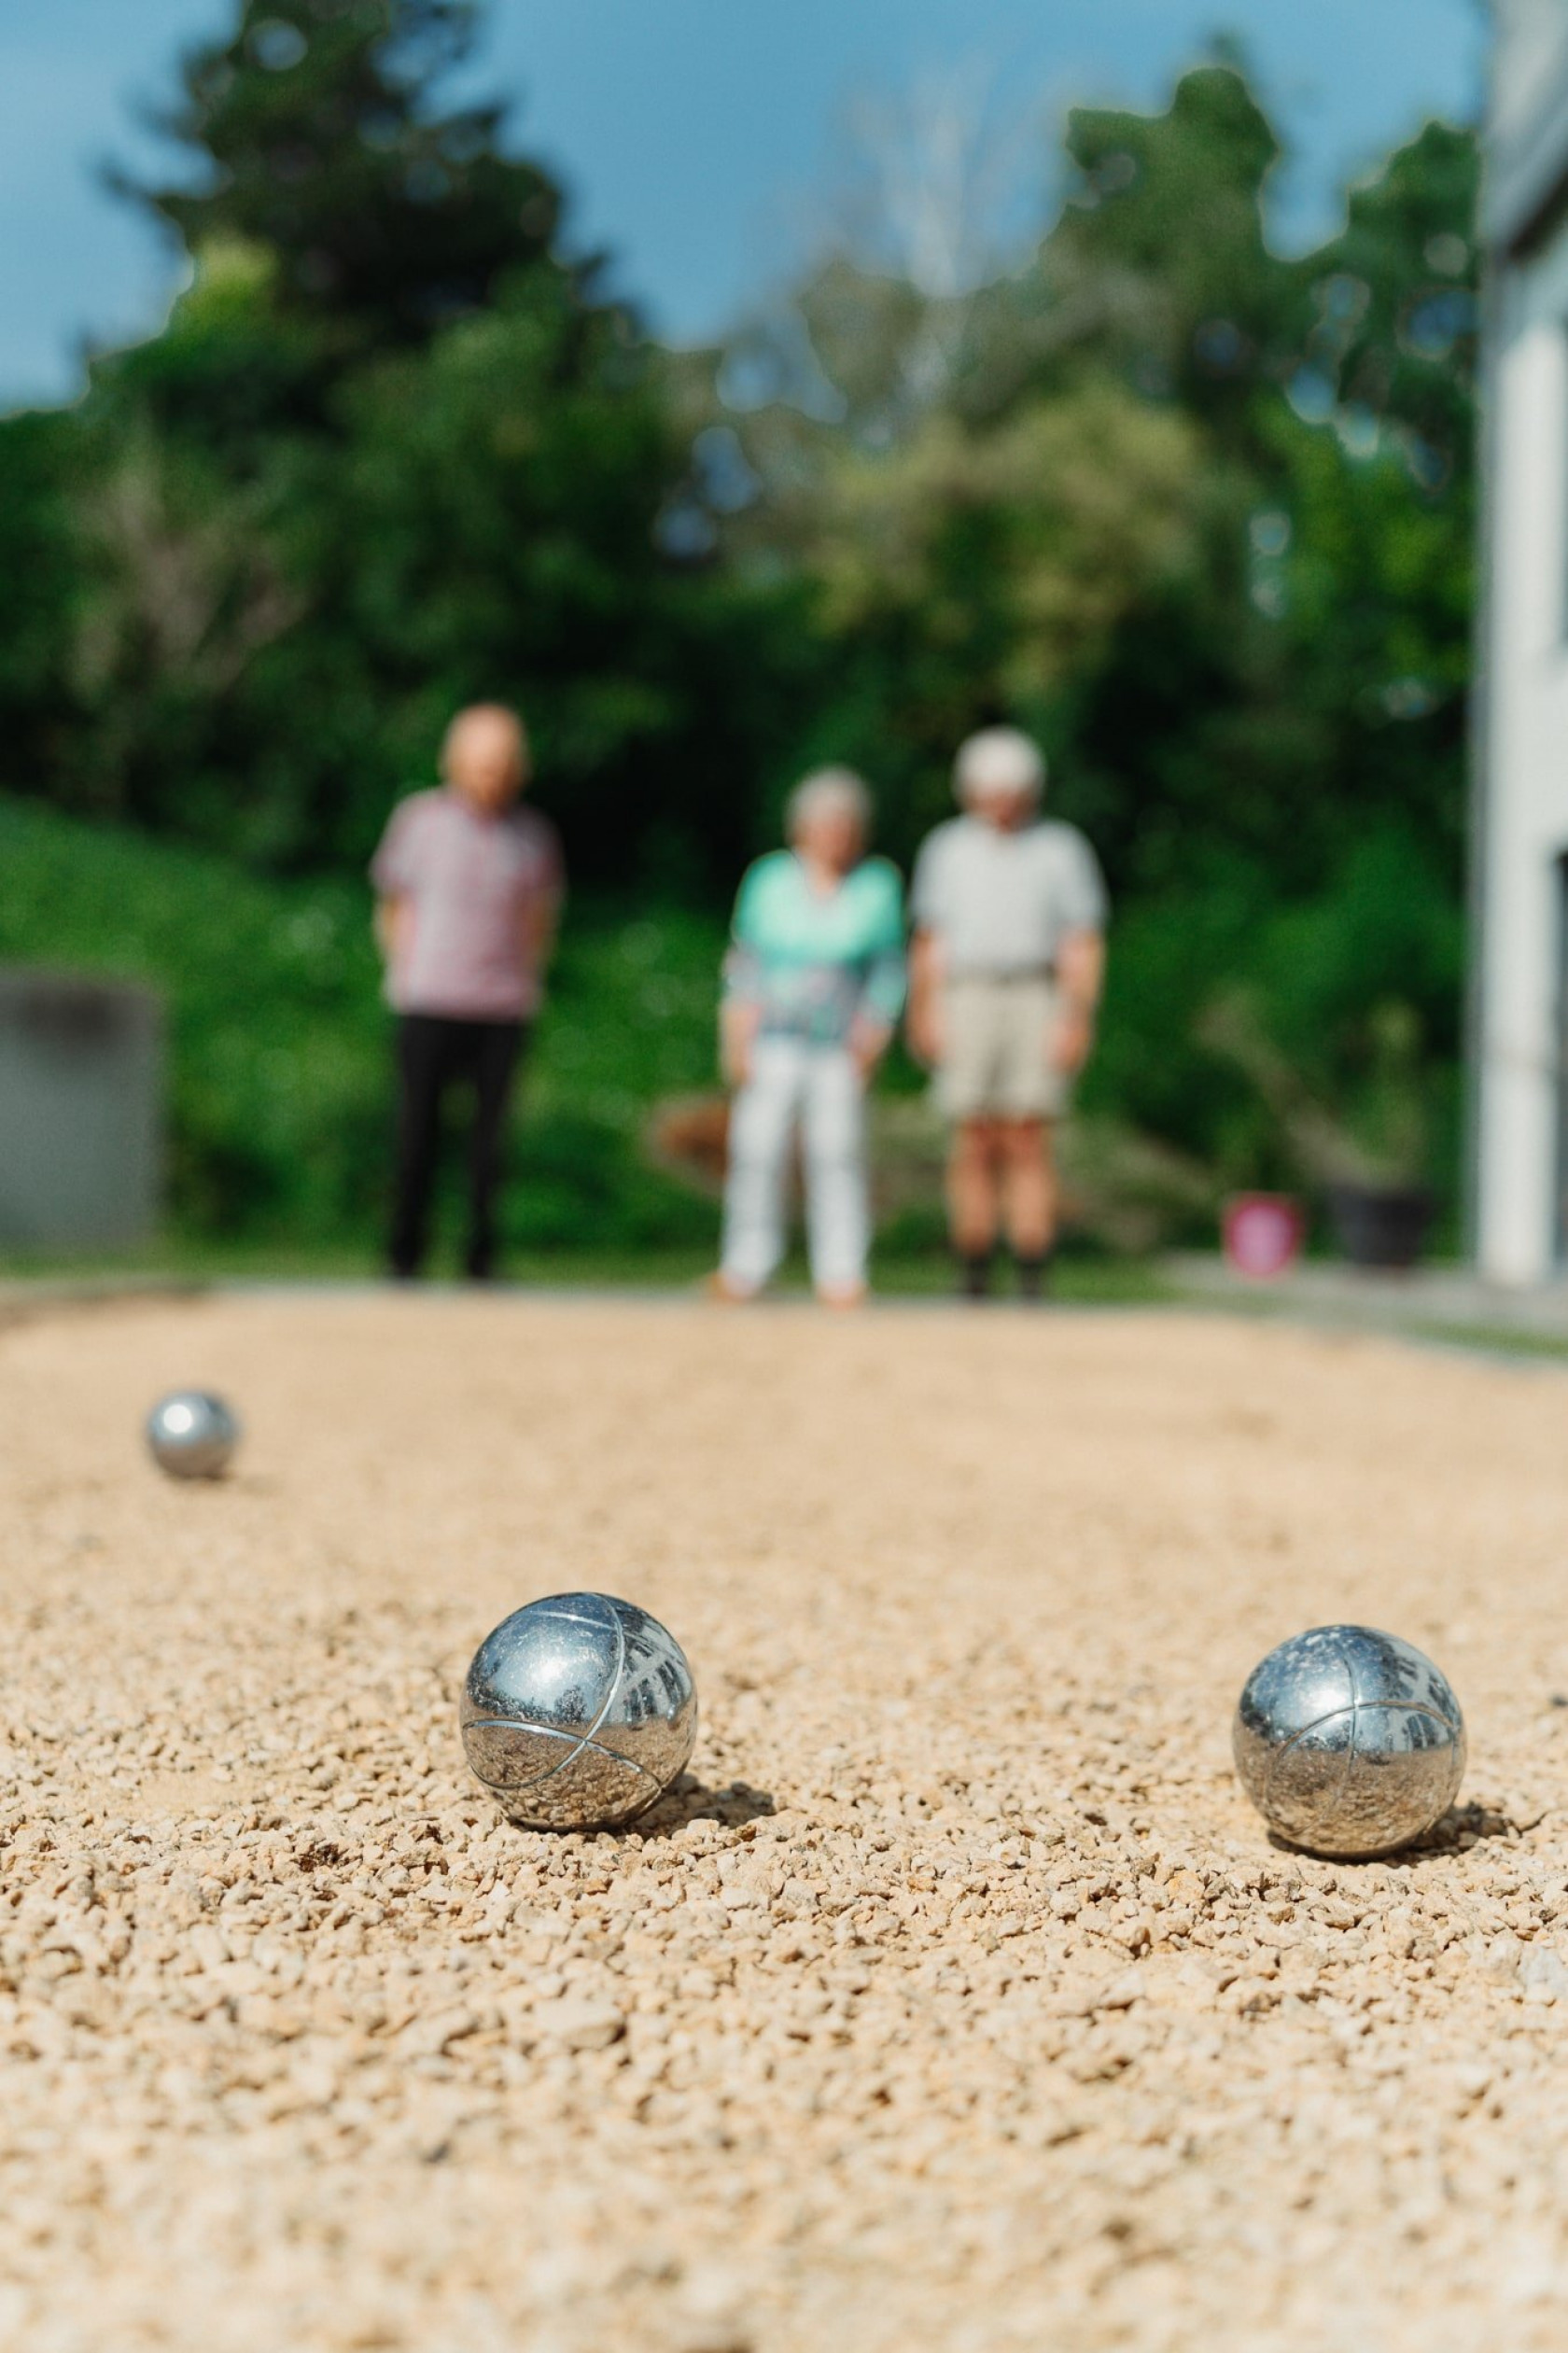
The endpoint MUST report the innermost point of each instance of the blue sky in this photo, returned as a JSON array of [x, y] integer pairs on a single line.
[[698, 136]]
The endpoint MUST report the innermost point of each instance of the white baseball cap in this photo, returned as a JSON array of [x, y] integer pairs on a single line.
[[1001, 760]]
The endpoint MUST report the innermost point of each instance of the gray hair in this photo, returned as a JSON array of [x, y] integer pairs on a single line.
[[998, 760], [837, 788]]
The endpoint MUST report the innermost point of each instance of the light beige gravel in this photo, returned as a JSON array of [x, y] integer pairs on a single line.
[[957, 2000]]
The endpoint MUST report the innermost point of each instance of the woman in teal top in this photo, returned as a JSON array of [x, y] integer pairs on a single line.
[[813, 990]]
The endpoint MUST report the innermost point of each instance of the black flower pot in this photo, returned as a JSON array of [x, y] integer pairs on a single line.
[[1380, 1224]]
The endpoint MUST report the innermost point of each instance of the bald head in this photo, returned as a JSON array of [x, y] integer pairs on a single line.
[[484, 756]]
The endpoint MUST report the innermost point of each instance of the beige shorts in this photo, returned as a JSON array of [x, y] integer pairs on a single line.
[[998, 1036]]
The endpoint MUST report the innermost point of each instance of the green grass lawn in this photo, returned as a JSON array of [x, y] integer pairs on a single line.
[[1080, 1280]]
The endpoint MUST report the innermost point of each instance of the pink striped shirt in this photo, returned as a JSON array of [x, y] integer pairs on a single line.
[[472, 882]]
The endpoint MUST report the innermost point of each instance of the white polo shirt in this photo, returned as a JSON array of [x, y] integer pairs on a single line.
[[1002, 904]]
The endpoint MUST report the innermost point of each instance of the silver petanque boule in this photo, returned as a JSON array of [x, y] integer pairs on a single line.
[[578, 1712], [1349, 1742], [192, 1435]]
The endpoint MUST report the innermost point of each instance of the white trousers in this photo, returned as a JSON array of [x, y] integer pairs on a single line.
[[820, 1087]]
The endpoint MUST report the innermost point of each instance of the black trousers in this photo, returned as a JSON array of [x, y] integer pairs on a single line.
[[433, 1054]]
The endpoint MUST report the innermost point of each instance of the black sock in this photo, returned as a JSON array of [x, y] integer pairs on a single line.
[[1033, 1273], [974, 1274]]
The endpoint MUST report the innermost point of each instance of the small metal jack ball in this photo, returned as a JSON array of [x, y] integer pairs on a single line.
[[192, 1435]]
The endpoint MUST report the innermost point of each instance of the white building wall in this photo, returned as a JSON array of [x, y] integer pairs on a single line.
[[1532, 40], [1526, 820]]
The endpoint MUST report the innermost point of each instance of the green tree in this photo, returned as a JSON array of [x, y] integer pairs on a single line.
[[390, 450], [1159, 260], [317, 135], [1310, 682], [40, 598], [1202, 516]]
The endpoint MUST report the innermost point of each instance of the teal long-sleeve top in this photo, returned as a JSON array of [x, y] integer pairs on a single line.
[[812, 962]]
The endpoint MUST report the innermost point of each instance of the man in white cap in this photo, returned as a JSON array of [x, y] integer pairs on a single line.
[[1006, 975]]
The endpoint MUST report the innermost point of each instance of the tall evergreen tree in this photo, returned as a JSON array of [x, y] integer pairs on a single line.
[[1161, 252], [317, 135], [393, 449]]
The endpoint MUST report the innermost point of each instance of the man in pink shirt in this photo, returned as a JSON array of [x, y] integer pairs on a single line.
[[469, 889]]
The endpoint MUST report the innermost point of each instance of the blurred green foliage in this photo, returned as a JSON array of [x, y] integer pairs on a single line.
[[279, 1048], [389, 454], [1199, 515], [1203, 518]]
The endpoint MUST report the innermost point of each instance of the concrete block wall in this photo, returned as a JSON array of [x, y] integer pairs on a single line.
[[80, 1110]]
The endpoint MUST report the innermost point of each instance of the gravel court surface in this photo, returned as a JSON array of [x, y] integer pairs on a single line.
[[956, 1999]]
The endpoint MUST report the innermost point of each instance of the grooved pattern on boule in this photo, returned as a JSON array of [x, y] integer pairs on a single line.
[[578, 1712], [1349, 1740]]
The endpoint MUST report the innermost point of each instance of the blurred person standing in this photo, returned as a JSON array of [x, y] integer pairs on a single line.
[[813, 990], [468, 890], [1005, 974]]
